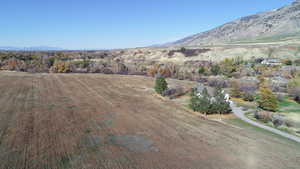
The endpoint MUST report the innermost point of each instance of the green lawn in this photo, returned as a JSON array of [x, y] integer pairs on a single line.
[[288, 106]]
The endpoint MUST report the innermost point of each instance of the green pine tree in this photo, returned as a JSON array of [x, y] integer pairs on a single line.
[[200, 103], [160, 85]]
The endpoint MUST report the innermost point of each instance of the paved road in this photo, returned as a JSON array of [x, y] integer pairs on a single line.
[[241, 115]]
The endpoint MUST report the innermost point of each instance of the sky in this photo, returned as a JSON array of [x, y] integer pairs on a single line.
[[107, 24]]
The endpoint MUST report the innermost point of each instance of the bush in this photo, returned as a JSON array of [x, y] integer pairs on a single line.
[[165, 71], [215, 70], [267, 100], [61, 67], [228, 66], [248, 97], [277, 120], [217, 82], [289, 123], [263, 116], [168, 92], [287, 62], [160, 85], [236, 90], [153, 70], [201, 70]]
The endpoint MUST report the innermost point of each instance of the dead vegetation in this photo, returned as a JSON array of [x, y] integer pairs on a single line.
[[59, 121]]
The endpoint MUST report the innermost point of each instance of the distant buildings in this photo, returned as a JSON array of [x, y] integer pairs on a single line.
[[271, 62]]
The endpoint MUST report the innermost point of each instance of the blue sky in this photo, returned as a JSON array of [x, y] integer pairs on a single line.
[[96, 24]]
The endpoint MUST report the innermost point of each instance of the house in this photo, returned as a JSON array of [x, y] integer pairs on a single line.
[[271, 62], [199, 90]]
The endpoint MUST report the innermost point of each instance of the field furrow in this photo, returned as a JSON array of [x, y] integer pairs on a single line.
[[92, 121]]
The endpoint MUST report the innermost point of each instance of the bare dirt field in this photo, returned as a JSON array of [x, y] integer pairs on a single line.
[[54, 121]]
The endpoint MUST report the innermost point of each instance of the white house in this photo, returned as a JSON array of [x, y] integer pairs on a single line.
[[271, 62]]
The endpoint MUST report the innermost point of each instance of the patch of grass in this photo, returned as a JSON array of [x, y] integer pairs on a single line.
[[283, 128], [244, 125], [246, 105], [289, 106]]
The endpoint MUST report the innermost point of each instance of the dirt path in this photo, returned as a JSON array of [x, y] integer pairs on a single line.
[[88, 121]]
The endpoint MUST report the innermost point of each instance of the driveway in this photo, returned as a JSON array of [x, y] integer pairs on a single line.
[[241, 115]]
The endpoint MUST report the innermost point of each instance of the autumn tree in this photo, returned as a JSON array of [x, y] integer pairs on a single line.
[[236, 90], [267, 100]]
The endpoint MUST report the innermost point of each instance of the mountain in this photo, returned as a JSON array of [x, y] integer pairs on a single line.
[[34, 48], [279, 24]]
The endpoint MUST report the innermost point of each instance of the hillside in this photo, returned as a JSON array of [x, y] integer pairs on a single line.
[[276, 25]]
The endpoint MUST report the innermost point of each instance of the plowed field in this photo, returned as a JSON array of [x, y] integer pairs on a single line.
[[53, 121]]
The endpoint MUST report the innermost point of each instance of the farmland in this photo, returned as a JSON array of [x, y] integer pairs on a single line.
[[60, 121]]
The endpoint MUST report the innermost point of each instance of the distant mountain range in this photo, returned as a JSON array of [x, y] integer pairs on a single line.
[[34, 48], [276, 25]]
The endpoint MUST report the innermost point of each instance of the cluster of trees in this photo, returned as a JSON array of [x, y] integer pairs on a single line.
[[206, 104], [65, 62], [227, 67], [188, 52], [244, 90]]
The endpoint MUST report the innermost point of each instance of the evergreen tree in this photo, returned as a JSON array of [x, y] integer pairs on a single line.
[[160, 85], [220, 105], [200, 103], [201, 70]]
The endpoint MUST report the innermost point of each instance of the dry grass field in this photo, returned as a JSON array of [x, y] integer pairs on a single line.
[[60, 121]]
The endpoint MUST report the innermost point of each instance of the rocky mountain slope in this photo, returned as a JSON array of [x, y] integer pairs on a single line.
[[279, 24]]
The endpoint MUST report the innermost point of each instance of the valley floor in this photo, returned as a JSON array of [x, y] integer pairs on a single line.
[[77, 121]]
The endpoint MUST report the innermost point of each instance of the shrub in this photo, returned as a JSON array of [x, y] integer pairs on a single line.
[[228, 67], [153, 70], [215, 70], [168, 92], [165, 71], [161, 85], [217, 82], [201, 70], [263, 116], [248, 97], [287, 62], [236, 90], [277, 120], [267, 100], [61, 67], [289, 123]]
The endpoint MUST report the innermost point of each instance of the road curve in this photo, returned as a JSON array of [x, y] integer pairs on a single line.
[[241, 115]]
